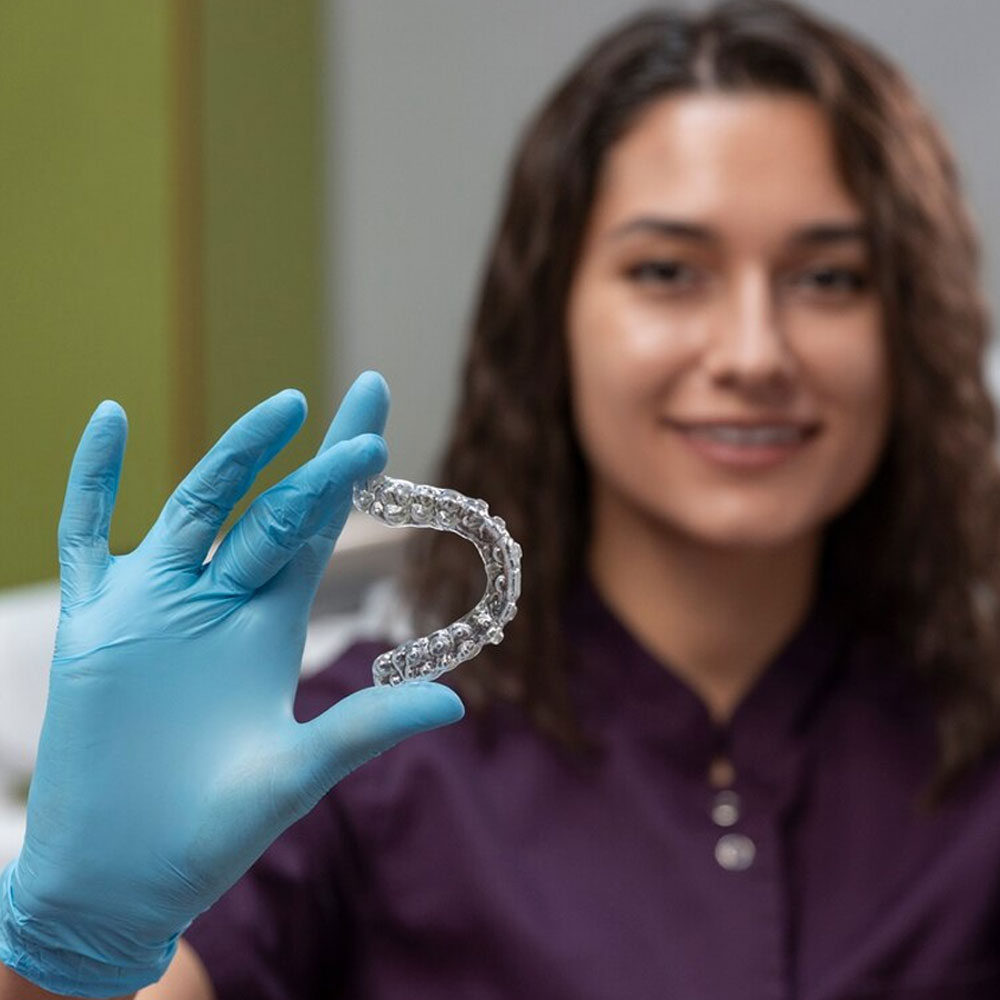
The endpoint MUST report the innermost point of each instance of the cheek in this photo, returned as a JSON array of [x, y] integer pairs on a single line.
[[850, 374], [622, 351], [598, 376], [849, 371]]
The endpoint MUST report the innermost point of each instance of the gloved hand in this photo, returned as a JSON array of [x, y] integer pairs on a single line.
[[169, 757]]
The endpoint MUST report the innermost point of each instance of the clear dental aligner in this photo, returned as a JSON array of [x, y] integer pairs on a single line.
[[400, 503]]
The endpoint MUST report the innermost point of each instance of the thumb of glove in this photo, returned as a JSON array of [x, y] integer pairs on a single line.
[[360, 727]]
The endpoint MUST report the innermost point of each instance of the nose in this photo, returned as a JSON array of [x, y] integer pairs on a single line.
[[748, 349]]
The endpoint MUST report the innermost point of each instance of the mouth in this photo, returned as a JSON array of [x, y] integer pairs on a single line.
[[744, 444], [754, 435]]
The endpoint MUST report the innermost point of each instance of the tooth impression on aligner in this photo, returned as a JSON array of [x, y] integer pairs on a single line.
[[400, 503]]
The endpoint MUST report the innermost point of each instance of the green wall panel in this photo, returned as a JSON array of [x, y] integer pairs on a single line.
[[159, 240], [84, 277], [262, 224]]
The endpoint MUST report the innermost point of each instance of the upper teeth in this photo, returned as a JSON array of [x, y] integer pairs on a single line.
[[731, 434]]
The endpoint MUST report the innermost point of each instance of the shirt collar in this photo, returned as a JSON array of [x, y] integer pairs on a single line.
[[619, 682]]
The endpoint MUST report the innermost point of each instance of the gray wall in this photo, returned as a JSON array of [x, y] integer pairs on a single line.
[[425, 99]]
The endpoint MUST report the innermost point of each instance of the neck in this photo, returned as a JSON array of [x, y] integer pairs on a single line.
[[716, 615]]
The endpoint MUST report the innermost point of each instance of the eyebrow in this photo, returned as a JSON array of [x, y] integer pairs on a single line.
[[814, 234]]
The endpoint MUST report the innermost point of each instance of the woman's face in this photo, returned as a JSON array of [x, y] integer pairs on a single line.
[[728, 364]]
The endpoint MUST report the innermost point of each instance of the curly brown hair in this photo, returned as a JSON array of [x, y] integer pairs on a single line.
[[917, 557]]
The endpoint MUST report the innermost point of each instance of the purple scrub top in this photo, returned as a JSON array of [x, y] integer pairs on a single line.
[[787, 855]]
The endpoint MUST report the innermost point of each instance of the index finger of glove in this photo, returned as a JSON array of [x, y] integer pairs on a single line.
[[280, 521], [91, 492], [192, 517], [363, 410]]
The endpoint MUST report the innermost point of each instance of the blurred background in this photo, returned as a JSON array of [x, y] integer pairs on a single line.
[[204, 201]]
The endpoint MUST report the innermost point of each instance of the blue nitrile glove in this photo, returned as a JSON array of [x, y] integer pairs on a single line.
[[169, 757]]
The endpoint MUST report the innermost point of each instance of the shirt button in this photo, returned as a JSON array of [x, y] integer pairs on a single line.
[[721, 773], [735, 852], [726, 809]]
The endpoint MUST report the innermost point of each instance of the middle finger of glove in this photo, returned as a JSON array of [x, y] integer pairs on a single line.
[[282, 519]]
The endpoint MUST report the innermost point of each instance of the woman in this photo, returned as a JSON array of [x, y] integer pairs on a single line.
[[726, 372], [725, 385]]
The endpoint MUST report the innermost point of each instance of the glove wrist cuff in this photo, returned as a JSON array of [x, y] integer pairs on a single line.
[[61, 960]]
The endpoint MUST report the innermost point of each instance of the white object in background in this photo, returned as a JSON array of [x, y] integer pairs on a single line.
[[383, 616], [28, 619]]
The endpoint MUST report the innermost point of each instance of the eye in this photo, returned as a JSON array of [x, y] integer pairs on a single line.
[[670, 274], [833, 281]]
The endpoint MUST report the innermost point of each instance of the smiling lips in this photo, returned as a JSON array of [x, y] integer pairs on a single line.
[[745, 445]]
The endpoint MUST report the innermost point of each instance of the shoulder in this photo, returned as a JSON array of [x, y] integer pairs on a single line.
[[402, 781], [410, 800], [349, 672], [883, 724]]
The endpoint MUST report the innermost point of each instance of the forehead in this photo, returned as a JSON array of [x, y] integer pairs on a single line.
[[741, 161]]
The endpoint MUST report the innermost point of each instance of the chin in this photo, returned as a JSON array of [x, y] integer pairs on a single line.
[[748, 531], [753, 539]]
